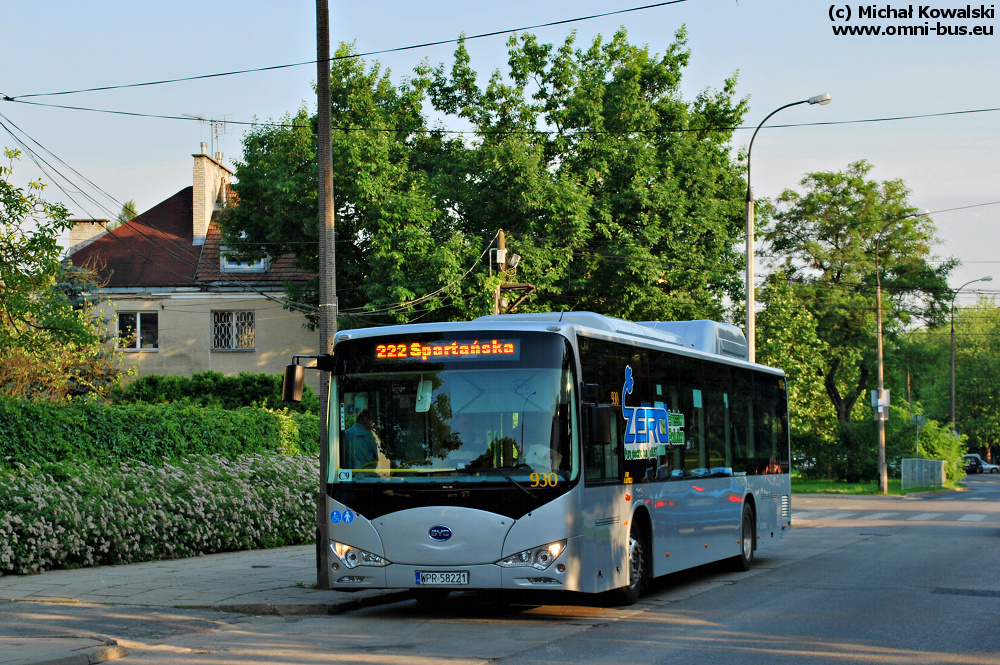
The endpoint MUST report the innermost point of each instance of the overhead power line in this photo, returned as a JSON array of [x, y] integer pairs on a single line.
[[397, 49], [393, 130]]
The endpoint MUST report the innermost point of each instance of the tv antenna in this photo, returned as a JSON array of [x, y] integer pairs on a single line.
[[216, 126]]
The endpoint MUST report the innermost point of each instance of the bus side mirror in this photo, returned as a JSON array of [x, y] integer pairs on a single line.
[[291, 384], [600, 424]]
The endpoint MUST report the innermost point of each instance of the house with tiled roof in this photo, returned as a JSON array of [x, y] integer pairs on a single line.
[[176, 302]]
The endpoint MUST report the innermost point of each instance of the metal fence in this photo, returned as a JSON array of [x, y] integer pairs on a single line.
[[923, 473]]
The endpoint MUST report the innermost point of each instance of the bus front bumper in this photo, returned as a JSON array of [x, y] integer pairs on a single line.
[[489, 576]]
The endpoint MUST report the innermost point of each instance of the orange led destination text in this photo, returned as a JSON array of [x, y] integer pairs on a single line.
[[453, 349]]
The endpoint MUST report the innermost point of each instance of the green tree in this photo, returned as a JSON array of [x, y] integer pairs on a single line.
[[787, 338], [394, 244], [977, 368], [621, 197], [127, 214], [50, 345], [826, 242], [629, 203]]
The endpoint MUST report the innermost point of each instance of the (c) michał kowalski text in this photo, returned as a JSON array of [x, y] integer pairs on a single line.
[[926, 12]]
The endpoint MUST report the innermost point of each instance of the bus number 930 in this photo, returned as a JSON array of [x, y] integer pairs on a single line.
[[544, 479]]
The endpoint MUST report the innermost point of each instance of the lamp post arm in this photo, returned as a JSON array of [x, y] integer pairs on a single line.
[[750, 296], [988, 278], [750, 147]]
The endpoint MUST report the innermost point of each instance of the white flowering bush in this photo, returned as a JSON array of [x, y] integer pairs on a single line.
[[88, 513]]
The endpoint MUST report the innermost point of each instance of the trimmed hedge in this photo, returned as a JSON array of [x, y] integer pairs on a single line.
[[213, 389], [50, 432]]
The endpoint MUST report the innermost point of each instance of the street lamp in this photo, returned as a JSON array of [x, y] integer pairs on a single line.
[[822, 100], [988, 278]]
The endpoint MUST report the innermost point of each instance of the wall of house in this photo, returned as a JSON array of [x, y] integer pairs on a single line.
[[185, 334]]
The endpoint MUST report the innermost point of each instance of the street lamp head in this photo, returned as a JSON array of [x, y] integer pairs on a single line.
[[822, 100], [988, 278]]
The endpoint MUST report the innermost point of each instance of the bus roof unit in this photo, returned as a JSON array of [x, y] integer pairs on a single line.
[[722, 339]]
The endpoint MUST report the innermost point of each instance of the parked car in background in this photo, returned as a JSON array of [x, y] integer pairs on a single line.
[[977, 465]]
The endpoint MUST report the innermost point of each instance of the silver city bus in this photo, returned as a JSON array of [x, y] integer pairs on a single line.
[[571, 452]]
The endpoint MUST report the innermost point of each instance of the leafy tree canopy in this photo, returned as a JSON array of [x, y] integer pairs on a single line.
[[977, 372], [834, 243], [50, 345], [828, 240], [620, 196], [127, 214]]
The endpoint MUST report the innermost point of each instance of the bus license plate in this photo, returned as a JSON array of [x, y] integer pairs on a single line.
[[447, 578]]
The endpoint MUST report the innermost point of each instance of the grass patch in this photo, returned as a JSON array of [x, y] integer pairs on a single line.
[[807, 486]]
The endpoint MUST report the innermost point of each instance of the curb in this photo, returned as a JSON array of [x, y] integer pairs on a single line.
[[106, 650], [918, 495]]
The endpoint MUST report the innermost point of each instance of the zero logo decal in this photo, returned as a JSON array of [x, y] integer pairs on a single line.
[[649, 429]]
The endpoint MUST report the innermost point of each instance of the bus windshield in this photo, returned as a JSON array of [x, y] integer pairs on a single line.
[[456, 418]]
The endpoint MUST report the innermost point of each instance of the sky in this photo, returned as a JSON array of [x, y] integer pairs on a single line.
[[783, 50]]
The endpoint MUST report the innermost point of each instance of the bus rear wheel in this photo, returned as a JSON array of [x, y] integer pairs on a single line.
[[638, 572], [744, 560]]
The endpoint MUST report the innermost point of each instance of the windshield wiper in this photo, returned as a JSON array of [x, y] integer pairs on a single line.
[[511, 480]]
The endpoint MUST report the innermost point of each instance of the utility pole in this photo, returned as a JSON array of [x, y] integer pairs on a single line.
[[505, 263], [327, 277], [502, 264]]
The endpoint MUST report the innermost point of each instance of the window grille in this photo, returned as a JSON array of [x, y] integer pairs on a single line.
[[232, 331]]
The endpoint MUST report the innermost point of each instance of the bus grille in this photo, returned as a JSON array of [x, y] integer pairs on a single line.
[[786, 507]]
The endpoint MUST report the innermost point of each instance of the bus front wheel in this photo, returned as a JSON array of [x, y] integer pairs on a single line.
[[637, 569], [744, 560]]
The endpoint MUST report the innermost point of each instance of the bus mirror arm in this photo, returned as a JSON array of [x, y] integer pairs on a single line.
[[295, 374]]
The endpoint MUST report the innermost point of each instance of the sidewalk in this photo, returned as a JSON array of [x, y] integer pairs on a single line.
[[277, 581]]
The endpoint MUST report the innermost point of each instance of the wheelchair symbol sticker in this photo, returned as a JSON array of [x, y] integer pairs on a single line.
[[335, 517]]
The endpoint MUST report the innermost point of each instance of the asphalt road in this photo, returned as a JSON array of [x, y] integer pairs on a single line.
[[858, 580]]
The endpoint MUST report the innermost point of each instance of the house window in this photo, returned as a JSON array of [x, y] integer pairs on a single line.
[[138, 331], [227, 264], [232, 331]]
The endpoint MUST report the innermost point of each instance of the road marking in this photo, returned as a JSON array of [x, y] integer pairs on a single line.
[[805, 516], [976, 498], [838, 516], [878, 516], [924, 517], [972, 517]]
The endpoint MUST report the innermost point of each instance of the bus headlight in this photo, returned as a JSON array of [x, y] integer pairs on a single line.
[[354, 557], [539, 557]]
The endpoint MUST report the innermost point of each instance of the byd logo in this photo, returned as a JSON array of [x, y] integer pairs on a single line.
[[440, 533]]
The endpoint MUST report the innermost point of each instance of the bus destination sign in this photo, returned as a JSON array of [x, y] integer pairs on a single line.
[[493, 349]]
